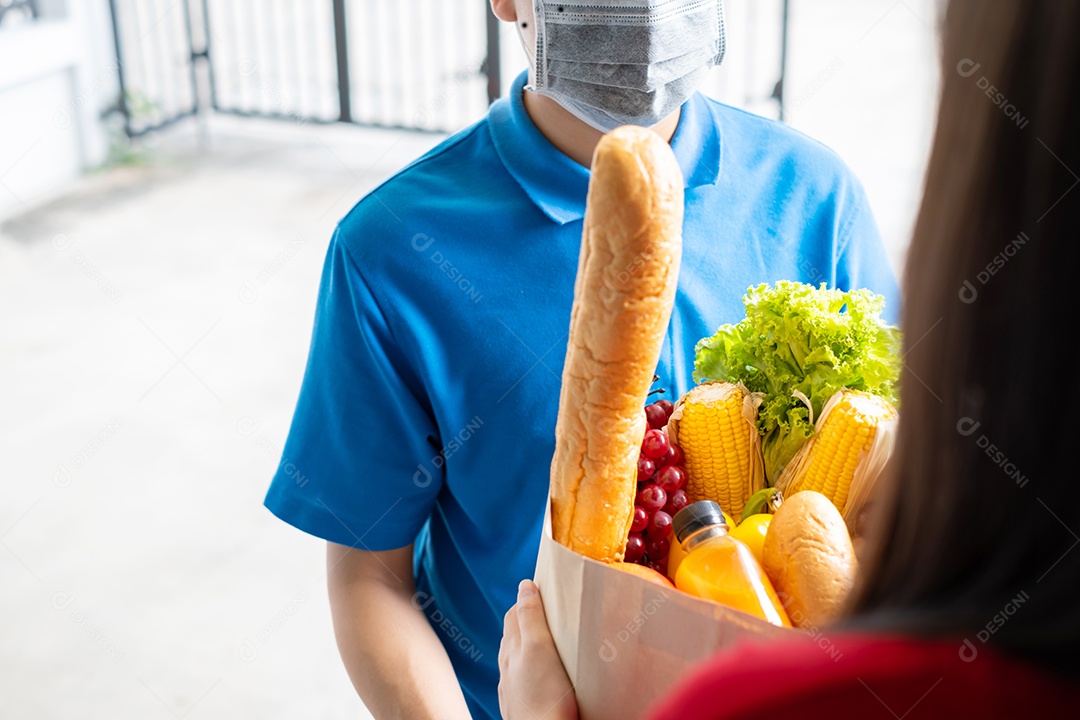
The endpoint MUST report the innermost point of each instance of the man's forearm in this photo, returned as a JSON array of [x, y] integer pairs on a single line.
[[393, 656]]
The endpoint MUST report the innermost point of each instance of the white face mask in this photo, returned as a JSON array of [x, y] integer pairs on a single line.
[[631, 62]]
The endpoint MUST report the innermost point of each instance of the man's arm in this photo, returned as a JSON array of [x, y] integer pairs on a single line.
[[392, 654]]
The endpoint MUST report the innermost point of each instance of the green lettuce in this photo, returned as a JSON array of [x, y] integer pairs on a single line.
[[797, 337]]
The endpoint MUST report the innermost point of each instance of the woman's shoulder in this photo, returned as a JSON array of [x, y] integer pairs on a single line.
[[864, 676]]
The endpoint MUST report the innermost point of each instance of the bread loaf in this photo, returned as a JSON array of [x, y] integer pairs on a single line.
[[809, 559], [623, 297]]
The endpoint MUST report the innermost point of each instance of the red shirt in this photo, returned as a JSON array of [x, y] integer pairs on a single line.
[[861, 677]]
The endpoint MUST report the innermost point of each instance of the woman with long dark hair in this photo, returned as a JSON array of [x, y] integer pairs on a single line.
[[967, 602]]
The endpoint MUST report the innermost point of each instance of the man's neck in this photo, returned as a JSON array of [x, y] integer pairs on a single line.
[[572, 136]]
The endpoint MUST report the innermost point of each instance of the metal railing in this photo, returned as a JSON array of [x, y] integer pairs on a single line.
[[155, 61], [429, 65]]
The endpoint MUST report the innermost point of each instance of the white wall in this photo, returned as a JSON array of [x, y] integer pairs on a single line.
[[56, 76]]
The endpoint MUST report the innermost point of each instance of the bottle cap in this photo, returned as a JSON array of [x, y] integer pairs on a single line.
[[695, 516]]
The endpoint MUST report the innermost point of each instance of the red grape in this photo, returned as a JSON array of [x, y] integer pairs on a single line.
[[635, 548], [660, 525], [667, 406], [656, 416], [646, 468], [674, 456], [652, 498], [676, 502], [657, 548], [671, 478], [659, 566], [655, 444], [641, 519]]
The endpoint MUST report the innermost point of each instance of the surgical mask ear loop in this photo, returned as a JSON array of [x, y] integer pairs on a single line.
[[539, 72], [721, 20]]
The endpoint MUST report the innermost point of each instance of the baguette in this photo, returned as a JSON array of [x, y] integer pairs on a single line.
[[623, 297]]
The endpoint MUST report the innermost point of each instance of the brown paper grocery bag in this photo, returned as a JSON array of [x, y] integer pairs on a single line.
[[626, 641]]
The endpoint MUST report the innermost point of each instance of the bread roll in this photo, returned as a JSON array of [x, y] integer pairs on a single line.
[[809, 558], [625, 289]]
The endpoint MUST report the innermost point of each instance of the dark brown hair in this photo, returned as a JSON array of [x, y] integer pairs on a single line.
[[974, 528]]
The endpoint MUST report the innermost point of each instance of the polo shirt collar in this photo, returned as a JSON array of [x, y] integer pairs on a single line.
[[558, 185]]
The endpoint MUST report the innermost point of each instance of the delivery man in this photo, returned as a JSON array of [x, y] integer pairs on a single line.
[[423, 435]]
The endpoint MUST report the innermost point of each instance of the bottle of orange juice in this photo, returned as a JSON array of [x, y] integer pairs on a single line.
[[718, 567]]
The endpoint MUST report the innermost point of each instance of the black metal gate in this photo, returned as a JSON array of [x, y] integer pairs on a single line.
[[430, 65]]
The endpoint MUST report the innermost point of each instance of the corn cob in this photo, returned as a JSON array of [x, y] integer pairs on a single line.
[[853, 439], [715, 425]]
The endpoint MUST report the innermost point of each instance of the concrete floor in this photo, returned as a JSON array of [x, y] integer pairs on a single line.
[[155, 327]]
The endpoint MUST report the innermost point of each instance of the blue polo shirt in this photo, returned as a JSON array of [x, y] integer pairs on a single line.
[[427, 411]]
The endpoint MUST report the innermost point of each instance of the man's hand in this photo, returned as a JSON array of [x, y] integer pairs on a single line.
[[393, 656], [533, 682]]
